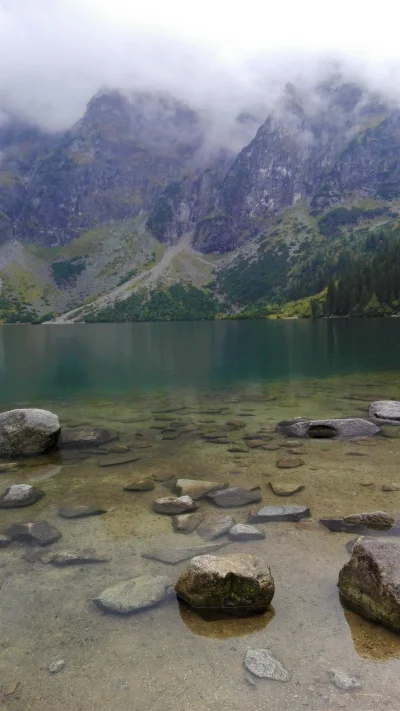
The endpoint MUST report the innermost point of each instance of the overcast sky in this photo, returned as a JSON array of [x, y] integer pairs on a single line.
[[55, 54]]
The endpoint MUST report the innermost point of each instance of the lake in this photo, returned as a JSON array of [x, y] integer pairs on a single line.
[[159, 389]]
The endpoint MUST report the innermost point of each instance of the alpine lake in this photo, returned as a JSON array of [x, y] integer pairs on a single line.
[[160, 389]]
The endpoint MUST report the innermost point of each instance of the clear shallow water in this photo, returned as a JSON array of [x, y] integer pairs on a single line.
[[169, 658]]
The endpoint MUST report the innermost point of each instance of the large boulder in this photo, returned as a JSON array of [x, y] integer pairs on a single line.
[[370, 582], [239, 584], [386, 412], [328, 429], [28, 432]]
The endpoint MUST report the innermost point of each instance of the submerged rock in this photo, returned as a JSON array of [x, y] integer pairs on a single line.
[[177, 555], [197, 488], [187, 523], [386, 412], [28, 432], [65, 558], [80, 511], [57, 666], [358, 523], [239, 584], [172, 505], [215, 526], [37, 533], [118, 460], [369, 582], [262, 664], [19, 495], [278, 513], [4, 540], [133, 595], [289, 463], [328, 429], [282, 488], [343, 681], [390, 431], [140, 485], [235, 496], [245, 532], [81, 437]]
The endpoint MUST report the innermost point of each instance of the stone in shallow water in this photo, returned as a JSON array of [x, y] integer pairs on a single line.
[[187, 523], [278, 513], [386, 412], [177, 555], [215, 526], [196, 488], [289, 463], [78, 437], [37, 533], [328, 429], [238, 448], [25, 432], [65, 558], [379, 520], [235, 496], [255, 443], [57, 666], [4, 540], [172, 505], [80, 511], [118, 460], [133, 595], [117, 449], [394, 486], [140, 485], [245, 532], [262, 664], [285, 488], [390, 431], [343, 681], [239, 584], [19, 495]]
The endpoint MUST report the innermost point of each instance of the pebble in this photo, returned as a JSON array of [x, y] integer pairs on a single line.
[[57, 666], [278, 513], [177, 555], [4, 540], [343, 681], [262, 664], [133, 595]]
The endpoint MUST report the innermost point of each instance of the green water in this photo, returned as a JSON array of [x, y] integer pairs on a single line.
[[168, 658]]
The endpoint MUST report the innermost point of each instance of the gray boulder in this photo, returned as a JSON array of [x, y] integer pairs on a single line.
[[239, 584], [133, 595], [19, 495], [28, 432], [386, 412], [328, 429], [370, 582]]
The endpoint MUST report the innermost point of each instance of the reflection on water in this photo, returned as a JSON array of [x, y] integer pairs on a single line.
[[160, 394]]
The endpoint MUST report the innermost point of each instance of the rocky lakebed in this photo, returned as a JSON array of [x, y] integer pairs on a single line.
[[223, 550]]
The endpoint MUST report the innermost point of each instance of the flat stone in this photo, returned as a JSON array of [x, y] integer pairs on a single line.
[[255, 443], [328, 429], [57, 666], [215, 526], [28, 432], [38, 533], [81, 511], [19, 495], [117, 449], [290, 443], [285, 488], [215, 434], [133, 595], [9, 466], [271, 447], [278, 513], [187, 523], [245, 532], [289, 463], [238, 448], [262, 664], [4, 540], [386, 412], [177, 555], [390, 431], [140, 485], [395, 486], [235, 496], [79, 437], [172, 505], [118, 460], [65, 558], [197, 488], [239, 584], [236, 424], [360, 523], [343, 681]]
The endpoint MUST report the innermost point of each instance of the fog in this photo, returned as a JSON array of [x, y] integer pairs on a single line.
[[224, 61]]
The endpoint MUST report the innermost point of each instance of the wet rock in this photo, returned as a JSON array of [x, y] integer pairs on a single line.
[[32, 555], [358, 523], [245, 532], [328, 429], [236, 424], [285, 488], [386, 412], [118, 460], [171, 505], [271, 447], [8, 467], [80, 511], [366, 483], [369, 582], [140, 485], [4, 540], [356, 454], [187, 523], [214, 435], [292, 443], [235, 496], [133, 595], [117, 449], [65, 558], [343, 681], [391, 432], [81, 437], [170, 435], [37, 533], [278, 513], [262, 664], [238, 448], [27, 432], [289, 463], [57, 666], [12, 688], [213, 527], [19, 495], [239, 584], [255, 443], [197, 488], [177, 555], [395, 486]]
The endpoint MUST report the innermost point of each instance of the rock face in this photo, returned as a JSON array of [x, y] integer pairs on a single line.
[[370, 582], [134, 595], [238, 584], [19, 495], [328, 429], [262, 664], [28, 432], [172, 505], [235, 496], [278, 513], [386, 412], [196, 488], [38, 533]]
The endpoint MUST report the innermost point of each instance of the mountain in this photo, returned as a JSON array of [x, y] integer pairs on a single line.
[[131, 214]]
